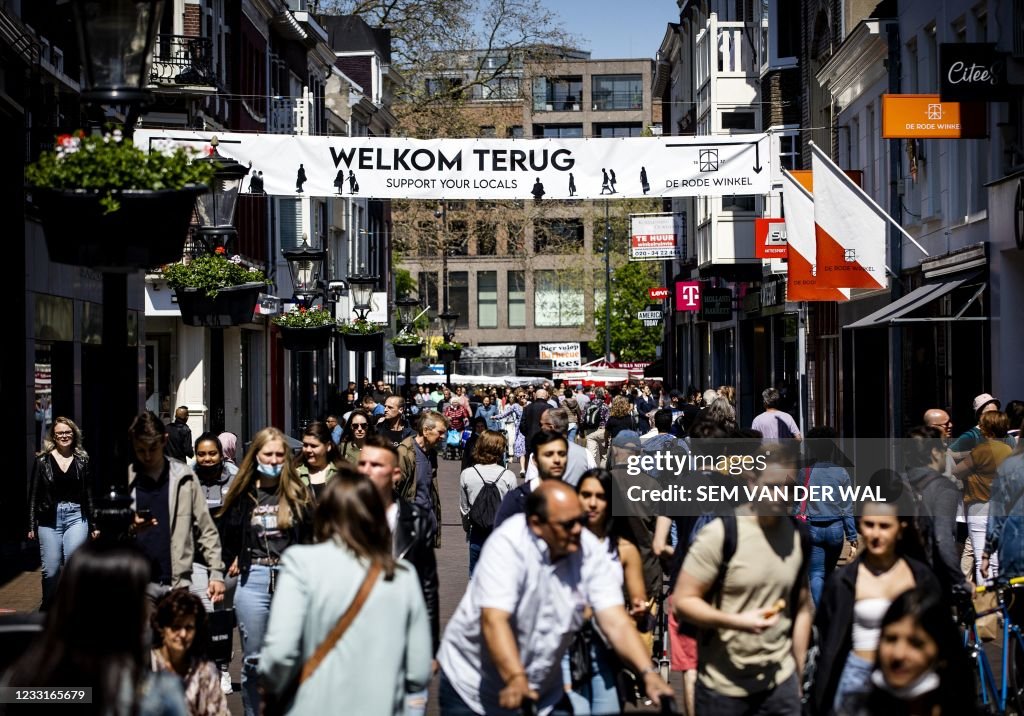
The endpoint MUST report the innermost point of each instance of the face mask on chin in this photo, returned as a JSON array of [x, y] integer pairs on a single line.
[[269, 470], [209, 472]]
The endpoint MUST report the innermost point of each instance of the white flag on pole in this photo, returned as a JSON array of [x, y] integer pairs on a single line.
[[802, 280], [849, 228]]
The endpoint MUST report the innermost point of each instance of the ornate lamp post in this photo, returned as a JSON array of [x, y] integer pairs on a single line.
[[215, 214], [448, 354], [363, 340], [215, 210], [408, 308], [305, 265], [116, 40]]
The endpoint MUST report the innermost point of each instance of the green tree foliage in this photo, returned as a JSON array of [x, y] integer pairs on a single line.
[[630, 340]]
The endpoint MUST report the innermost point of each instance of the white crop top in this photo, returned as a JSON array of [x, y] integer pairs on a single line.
[[867, 622]]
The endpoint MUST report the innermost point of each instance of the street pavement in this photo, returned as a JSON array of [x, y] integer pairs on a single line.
[[22, 594]]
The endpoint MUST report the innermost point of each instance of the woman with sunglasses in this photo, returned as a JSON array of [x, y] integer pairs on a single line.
[[60, 500], [356, 430]]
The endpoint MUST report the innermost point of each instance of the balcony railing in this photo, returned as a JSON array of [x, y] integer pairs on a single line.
[[183, 60], [605, 101]]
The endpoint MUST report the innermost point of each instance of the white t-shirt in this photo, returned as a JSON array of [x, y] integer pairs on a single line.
[[471, 482], [767, 423], [546, 602]]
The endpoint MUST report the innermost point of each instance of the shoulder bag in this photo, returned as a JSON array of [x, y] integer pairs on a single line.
[[278, 704]]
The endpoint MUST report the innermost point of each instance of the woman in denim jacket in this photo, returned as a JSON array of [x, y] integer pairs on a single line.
[[829, 522]]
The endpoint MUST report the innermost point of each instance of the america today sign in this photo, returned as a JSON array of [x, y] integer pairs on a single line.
[[493, 169]]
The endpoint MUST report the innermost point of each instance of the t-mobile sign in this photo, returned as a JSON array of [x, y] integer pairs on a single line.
[[688, 295]]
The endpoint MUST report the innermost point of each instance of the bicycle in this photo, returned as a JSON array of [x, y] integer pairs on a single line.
[[1008, 697]]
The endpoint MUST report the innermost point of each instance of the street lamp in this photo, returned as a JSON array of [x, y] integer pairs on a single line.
[[408, 310], [361, 286], [305, 265], [215, 209], [116, 40], [215, 214], [447, 356]]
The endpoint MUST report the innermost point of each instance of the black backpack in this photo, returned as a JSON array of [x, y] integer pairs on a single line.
[[485, 507], [592, 419], [784, 431]]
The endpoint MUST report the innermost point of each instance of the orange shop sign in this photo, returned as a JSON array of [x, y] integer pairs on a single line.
[[920, 116]]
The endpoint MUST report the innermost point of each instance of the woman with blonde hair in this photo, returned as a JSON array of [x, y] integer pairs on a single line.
[[728, 392], [513, 415], [620, 418], [60, 500], [349, 576], [266, 510]]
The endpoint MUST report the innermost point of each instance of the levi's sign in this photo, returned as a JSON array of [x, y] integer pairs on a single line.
[[493, 169], [657, 294]]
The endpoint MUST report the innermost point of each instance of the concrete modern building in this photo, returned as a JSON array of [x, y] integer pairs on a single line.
[[522, 275]]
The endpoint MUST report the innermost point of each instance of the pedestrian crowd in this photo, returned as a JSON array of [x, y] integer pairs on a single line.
[[578, 602]]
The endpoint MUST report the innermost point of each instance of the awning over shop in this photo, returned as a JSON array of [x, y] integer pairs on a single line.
[[899, 311]]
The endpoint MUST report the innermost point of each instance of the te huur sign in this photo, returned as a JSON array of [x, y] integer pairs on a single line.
[[716, 304], [926, 116], [974, 72]]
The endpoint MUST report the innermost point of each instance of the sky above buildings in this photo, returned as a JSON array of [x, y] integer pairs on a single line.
[[617, 29]]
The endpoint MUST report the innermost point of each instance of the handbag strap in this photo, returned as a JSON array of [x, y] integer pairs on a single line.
[[343, 623]]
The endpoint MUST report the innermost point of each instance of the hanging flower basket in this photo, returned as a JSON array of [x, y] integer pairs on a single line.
[[408, 350], [449, 355], [315, 338], [363, 342], [148, 230], [232, 306]]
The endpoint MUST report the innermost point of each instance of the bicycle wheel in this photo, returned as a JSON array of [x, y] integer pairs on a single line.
[[1015, 674]]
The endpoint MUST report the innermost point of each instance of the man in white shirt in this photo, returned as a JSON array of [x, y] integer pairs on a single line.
[[774, 424], [505, 642]]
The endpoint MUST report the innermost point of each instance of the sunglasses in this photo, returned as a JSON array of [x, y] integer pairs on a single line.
[[359, 426], [567, 525]]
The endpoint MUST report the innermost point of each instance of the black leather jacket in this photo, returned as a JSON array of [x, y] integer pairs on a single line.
[[412, 544], [41, 505]]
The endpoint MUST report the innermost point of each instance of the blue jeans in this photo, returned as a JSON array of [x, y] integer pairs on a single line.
[[826, 546], [70, 531], [600, 696], [452, 704], [252, 609], [854, 678]]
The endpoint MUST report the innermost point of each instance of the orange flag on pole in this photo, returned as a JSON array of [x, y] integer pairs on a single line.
[[802, 280]]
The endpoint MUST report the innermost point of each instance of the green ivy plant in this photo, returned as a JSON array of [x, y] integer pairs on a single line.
[[108, 164], [361, 326], [302, 317], [211, 273]]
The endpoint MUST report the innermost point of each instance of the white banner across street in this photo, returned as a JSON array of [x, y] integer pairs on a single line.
[[397, 168]]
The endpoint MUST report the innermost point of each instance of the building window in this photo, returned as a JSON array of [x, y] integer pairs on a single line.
[[486, 238], [557, 299], [487, 299], [615, 92], [458, 296], [516, 299], [558, 131], [630, 129], [515, 238], [458, 238], [487, 132], [738, 121], [557, 94], [427, 284], [514, 132], [444, 86], [742, 202], [558, 236], [789, 151]]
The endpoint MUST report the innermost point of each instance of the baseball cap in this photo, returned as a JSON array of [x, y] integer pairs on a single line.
[[984, 399], [627, 439]]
